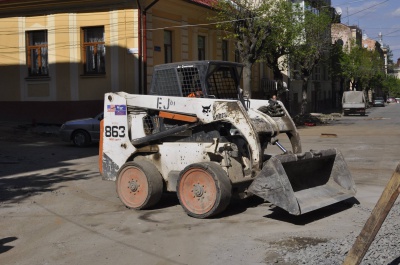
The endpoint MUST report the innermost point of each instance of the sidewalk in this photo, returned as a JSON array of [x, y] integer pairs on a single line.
[[14, 130]]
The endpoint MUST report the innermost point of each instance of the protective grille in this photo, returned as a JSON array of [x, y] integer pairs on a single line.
[[190, 80], [216, 79], [166, 83], [222, 84]]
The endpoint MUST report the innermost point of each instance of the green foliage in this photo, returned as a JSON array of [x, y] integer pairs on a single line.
[[391, 86], [262, 30], [246, 23], [363, 68], [390, 63], [286, 27], [312, 46]]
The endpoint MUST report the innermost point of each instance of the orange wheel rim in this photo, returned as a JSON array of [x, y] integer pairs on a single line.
[[133, 187], [198, 192]]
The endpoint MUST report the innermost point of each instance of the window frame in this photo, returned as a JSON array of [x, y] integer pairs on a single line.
[[39, 48], [95, 45], [201, 51], [168, 54]]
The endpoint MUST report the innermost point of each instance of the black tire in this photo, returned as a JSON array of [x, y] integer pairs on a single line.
[[139, 185], [81, 138], [204, 189]]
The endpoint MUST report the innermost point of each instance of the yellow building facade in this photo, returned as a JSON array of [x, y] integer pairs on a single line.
[[58, 58]]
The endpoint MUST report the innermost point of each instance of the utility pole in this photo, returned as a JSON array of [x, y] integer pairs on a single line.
[[384, 50]]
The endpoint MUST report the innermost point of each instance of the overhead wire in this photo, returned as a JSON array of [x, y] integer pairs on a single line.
[[68, 45], [362, 10]]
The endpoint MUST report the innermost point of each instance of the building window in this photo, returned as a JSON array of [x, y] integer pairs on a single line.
[[167, 46], [94, 50], [37, 53], [225, 50], [201, 47]]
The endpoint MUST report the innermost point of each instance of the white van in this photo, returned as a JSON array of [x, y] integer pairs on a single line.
[[353, 102]]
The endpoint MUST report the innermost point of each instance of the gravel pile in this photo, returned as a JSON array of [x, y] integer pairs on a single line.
[[385, 249]]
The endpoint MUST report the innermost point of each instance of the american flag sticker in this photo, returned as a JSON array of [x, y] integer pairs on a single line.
[[110, 108]]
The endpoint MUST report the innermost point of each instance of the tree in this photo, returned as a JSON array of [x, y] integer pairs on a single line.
[[391, 86], [364, 69], [281, 42], [261, 30], [390, 63], [313, 46], [352, 64], [373, 70]]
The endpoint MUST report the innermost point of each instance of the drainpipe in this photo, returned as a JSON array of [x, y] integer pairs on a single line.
[[143, 46], [140, 46]]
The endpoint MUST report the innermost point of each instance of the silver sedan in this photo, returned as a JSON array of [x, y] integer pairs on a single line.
[[82, 132]]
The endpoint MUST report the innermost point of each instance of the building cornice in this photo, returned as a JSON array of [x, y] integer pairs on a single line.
[[10, 8]]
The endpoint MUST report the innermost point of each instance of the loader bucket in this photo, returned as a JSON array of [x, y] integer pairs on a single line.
[[300, 183]]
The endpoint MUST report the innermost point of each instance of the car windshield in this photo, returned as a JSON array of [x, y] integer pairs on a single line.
[[379, 98]]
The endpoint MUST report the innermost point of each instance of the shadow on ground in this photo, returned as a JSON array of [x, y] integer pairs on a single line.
[[5, 241], [17, 189], [281, 215]]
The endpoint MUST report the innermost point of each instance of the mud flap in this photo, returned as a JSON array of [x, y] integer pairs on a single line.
[[300, 183]]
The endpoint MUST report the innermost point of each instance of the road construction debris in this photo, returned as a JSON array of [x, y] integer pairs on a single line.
[[383, 250], [329, 135]]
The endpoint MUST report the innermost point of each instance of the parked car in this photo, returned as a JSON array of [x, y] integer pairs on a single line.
[[397, 100], [378, 101], [82, 132], [391, 100]]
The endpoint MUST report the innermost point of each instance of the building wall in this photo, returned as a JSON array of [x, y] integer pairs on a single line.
[[67, 93], [66, 83], [346, 34], [186, 22]]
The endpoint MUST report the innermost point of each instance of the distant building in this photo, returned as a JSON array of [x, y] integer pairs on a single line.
[[396, 69], [344, 35]]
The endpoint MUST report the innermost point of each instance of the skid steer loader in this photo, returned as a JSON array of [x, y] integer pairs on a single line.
[[196, 135]]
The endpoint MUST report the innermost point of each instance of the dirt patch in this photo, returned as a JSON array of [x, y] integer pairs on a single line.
[[313, 119], [294, 243], [17, 132]]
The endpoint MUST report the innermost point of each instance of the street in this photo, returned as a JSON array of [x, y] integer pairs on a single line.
[[56, 209]]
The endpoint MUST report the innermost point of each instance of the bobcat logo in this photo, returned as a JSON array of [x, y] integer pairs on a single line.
[[206, 109]]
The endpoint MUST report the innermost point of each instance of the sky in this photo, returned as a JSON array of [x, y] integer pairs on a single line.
[[374, 17]]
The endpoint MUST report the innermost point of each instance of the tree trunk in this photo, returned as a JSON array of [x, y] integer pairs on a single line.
[[353, 85], [247, 79], [304, 100]]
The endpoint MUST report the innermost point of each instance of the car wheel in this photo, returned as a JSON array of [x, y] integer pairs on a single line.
[[80, 138]]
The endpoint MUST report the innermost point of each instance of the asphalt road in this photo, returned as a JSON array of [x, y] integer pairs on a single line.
[[55, 209]]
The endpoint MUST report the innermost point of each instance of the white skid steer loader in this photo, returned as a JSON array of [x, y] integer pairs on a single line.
[[197, 136]]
